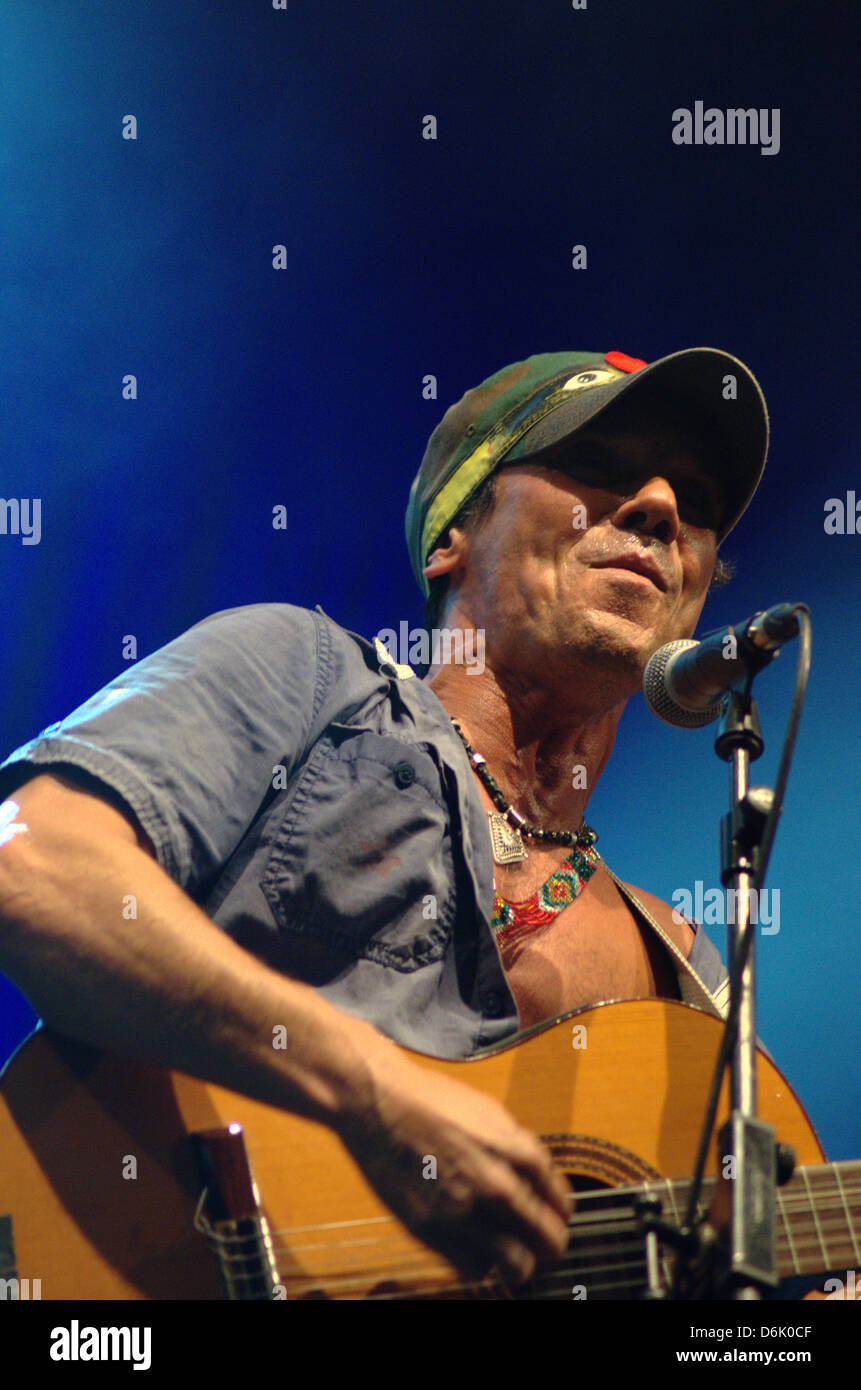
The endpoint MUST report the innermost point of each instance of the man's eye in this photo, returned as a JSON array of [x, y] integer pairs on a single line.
[[696, 508], [596, 469], [599, 468]]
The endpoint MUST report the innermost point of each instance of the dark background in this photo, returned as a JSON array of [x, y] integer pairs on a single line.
[[407, 257]]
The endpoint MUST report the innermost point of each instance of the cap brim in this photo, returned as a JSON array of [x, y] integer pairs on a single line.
[[719, 389]]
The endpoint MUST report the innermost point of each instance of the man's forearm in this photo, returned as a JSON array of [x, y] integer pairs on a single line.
[[166, 986]]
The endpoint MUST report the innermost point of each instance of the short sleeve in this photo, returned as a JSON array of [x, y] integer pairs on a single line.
[[189, 737]]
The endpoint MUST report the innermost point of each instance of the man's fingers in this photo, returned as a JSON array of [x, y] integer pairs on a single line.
[[534, 1162], [547, 1180], [502, 1257], [515, 1262], [517, 1210], [507, 1225]]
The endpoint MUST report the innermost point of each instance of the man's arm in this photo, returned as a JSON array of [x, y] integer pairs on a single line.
[[169, 988]]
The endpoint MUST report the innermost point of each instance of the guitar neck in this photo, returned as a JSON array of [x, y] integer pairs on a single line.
[[818, 1227], [819, 1219]]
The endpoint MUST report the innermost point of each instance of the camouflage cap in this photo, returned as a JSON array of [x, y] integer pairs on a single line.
[[528, 406]]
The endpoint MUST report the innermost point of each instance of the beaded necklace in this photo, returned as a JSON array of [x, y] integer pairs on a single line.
[[507, 829], [514, 921]]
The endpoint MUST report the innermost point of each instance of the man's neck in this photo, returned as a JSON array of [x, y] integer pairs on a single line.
[[546, 754]]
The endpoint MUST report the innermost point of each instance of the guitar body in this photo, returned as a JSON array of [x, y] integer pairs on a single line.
[[98, 1175]]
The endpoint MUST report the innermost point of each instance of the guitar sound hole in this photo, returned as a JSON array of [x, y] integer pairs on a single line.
[[578, 1182], [606, 1259]]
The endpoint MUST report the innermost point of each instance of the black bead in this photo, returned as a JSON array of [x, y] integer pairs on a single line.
[[585, 836]]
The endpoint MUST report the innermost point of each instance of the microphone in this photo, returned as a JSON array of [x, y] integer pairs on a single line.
[[684, 682]]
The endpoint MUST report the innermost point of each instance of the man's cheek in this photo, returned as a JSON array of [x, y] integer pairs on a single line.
[[690, 612]]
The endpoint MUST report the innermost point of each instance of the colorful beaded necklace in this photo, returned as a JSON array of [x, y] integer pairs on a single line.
[[513, 922]]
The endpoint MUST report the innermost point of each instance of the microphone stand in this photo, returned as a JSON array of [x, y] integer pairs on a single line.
[[733, 1253], [747, 1182]]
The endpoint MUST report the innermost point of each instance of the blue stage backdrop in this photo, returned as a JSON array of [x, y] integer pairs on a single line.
[[170, 377]]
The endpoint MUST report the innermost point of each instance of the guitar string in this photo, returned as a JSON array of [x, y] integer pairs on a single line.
[[800, 1203], [786, 1226], [388, 1272], [856, 1250], [481, 1288], [794, 1204], [603, 1229], [584, 1274], [545, 1293], [579, 1264], [546, 1280], [343, 1287], [542, 1283], [579, 1255], [816, 1220], [635, 1246], [579, 1267], [406, 1244], [805, 1242], [672, 1186], [563, 1292], [576, 1261]]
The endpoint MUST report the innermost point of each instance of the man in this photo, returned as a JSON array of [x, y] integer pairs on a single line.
[[308, 841]]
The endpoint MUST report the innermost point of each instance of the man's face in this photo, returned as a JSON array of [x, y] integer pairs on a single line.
[[599, 553]]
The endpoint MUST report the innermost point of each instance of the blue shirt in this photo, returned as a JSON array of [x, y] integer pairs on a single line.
[[313, 798]]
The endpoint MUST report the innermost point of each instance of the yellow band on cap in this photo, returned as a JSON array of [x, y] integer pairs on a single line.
[[449, 500], [484, 457]]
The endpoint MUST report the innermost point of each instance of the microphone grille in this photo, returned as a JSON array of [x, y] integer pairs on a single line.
[[659, 700]]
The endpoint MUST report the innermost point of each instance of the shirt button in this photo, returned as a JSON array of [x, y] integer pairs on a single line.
[[492, 1004], [405, 774]]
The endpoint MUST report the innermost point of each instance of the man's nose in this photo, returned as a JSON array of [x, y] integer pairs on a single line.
[[652, 509]]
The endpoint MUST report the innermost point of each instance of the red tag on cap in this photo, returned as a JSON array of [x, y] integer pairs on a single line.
[[623, 362]]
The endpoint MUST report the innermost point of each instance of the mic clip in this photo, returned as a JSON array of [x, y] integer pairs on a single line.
[[741, 834], [739, 726]]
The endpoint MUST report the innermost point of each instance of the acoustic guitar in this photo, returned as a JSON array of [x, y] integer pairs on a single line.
[[120, 1181]]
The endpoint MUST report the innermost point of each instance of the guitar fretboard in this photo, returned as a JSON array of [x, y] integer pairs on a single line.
[[818, 1223]]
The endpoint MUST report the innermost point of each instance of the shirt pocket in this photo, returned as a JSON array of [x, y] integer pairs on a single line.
[[362, 866]]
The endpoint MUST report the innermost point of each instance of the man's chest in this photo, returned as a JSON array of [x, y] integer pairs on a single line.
[[594, 949]]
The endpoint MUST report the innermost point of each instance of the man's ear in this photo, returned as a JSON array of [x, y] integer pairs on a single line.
[[445, 559]]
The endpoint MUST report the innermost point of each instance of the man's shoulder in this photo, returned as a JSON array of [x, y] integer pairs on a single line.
[[253, 620], [259, 616], [700, 953], [282, 630], [679, 931]]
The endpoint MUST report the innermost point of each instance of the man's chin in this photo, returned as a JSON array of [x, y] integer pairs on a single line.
[[621, 637], [605, 646], [613, 660]]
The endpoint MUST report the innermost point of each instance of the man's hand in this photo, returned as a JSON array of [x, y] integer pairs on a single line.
[[496, 1200]]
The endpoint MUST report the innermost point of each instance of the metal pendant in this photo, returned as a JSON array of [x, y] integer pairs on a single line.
[[506, 842]]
